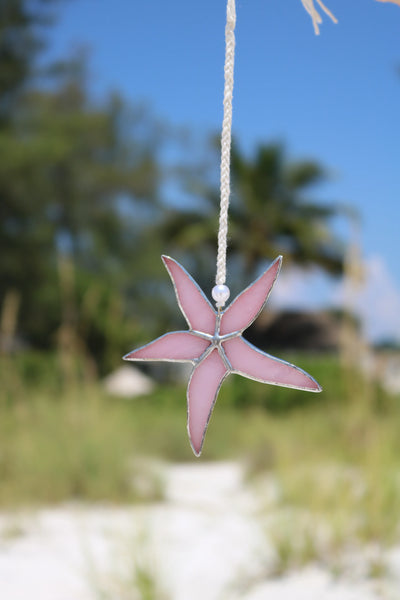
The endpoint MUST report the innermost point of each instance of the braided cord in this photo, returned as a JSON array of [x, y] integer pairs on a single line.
[[226, 141]]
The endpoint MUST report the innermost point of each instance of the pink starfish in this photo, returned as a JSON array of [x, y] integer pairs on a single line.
[[215, 346]]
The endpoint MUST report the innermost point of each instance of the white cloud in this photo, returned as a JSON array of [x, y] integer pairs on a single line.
[[379, 301], [300, 289], [376, 301]]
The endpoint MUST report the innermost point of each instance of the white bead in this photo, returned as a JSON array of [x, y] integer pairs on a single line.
[[220, 293]]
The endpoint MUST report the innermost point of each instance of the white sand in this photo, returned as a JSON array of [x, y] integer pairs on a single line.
[[204, 542]]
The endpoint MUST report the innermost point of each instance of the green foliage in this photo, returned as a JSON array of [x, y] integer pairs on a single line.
[[80, 447], [270, 213], [244, 393], [272, 204], [64, 172], [337, 455], [72, 177], [19, 43], [37, 371]]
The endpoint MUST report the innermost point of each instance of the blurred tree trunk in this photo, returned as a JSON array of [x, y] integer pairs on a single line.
[[9, 320]]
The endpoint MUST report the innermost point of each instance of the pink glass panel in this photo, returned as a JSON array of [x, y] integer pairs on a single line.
[[202, 392], [248, 304], [180, 345], [198, 311], [253, 363]]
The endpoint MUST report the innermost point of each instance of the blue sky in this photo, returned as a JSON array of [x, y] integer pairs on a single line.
[[333, 97]]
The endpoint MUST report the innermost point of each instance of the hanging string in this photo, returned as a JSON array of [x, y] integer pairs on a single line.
[[226, 142], [220, 292]]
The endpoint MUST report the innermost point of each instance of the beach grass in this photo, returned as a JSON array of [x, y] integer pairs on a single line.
[[335, 455]]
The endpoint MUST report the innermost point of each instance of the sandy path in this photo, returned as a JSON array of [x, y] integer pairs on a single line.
[[204, 542]]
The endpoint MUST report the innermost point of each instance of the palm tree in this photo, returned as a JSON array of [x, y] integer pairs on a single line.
[[269, 214]]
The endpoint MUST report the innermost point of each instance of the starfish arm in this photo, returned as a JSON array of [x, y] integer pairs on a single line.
[[249, 361], [247, 306], [178, 345], [194, 305], [204, 385]]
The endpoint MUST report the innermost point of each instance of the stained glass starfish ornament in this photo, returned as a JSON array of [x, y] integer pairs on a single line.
[[216, 348]]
